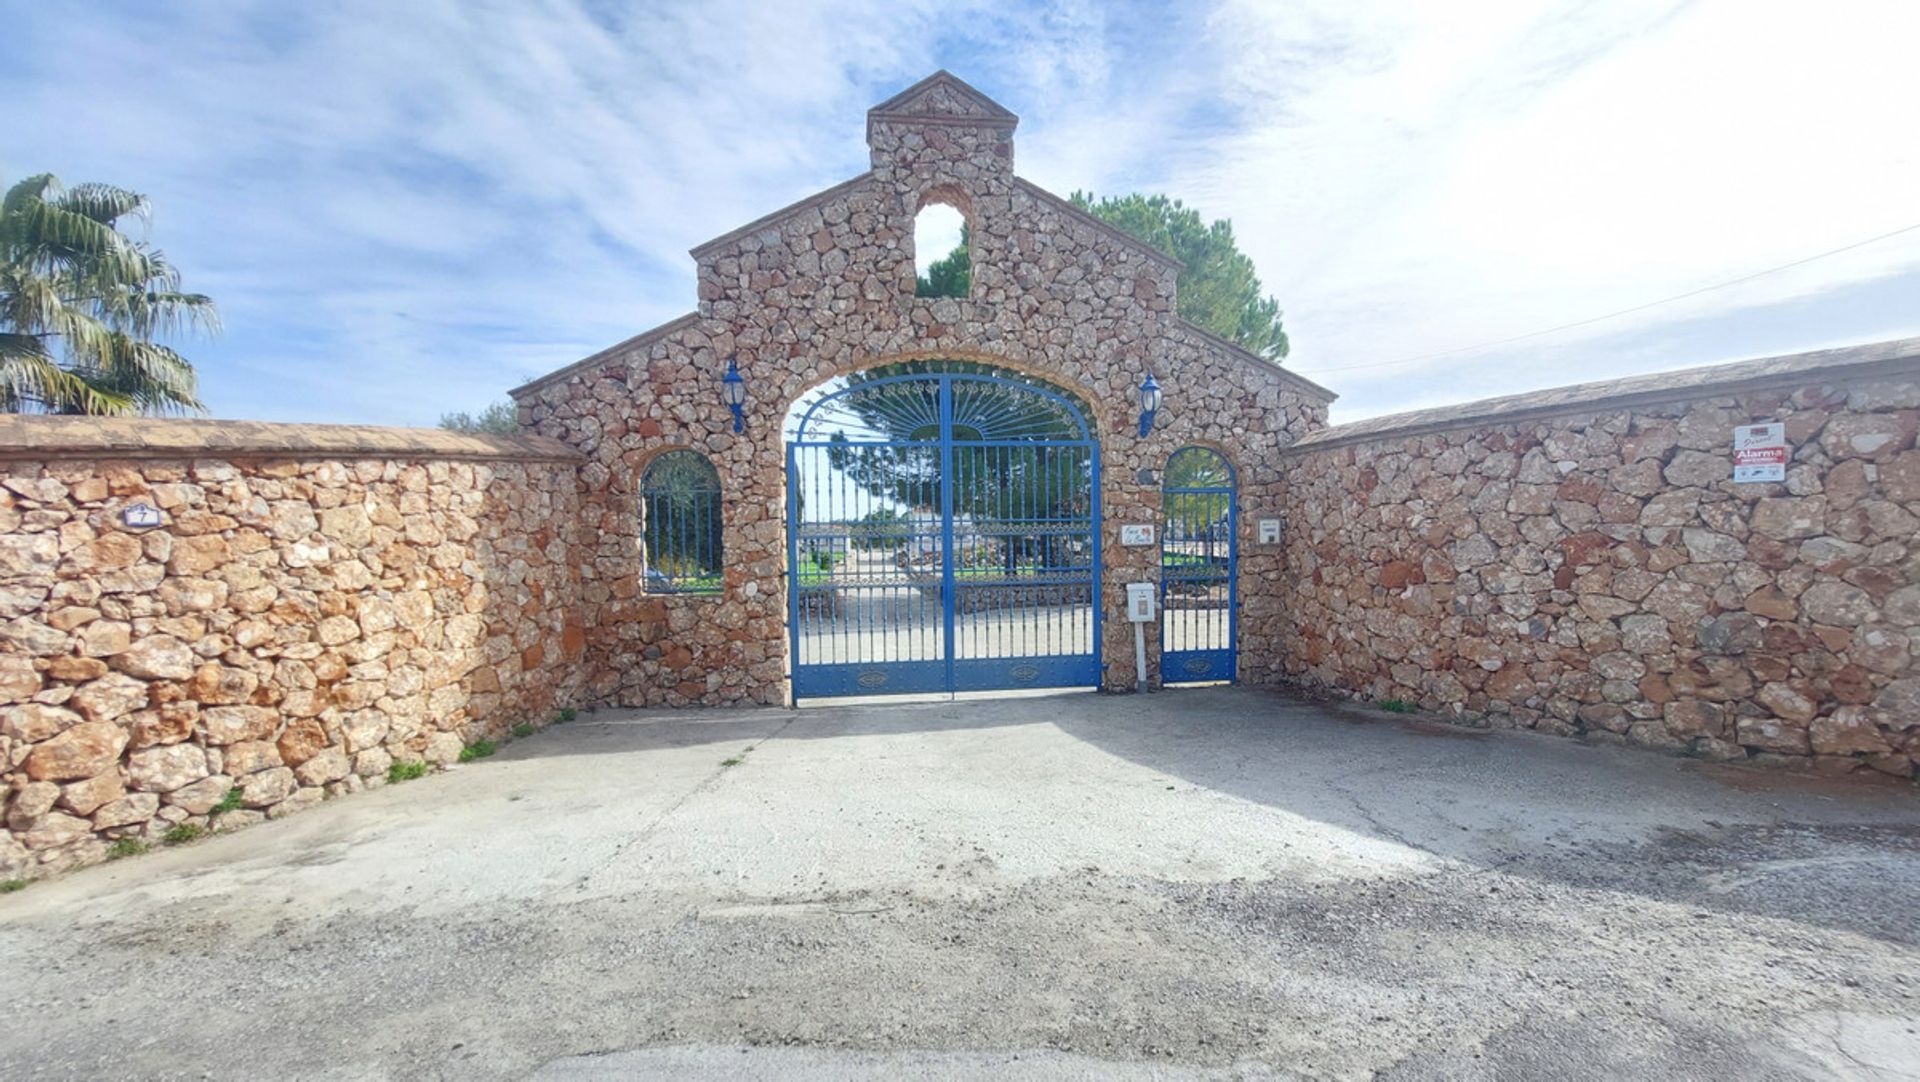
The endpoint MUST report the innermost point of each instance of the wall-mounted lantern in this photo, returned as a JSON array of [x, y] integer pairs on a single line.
[[1149, 404], [733, 391]]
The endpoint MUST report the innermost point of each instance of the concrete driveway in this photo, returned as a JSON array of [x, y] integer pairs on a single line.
[[1195, 883]]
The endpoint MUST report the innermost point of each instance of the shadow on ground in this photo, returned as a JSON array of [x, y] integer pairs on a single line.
[[1727, 838]]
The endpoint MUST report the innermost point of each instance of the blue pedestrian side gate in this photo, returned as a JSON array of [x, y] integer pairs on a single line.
[[1199, 565], [942, 534]]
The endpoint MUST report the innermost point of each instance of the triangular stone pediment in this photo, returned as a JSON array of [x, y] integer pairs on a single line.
[[944, 97]]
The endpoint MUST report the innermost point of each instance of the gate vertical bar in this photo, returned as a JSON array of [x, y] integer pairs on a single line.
[[949, 591], [1233, 581], [1099, 645], [793, 572]]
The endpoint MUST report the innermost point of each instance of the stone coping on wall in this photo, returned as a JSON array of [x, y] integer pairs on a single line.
[[612, 353], [1899, 356], [1087, 218], [27, 436], [1240, 353], [768, 221]]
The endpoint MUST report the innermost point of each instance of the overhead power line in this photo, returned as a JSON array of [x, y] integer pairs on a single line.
[[1623, 311]]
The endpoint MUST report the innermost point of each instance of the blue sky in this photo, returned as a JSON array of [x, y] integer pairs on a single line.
[[408, 208]]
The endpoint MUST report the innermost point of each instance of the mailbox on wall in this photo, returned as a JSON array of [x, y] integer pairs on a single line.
[[1140, 599]]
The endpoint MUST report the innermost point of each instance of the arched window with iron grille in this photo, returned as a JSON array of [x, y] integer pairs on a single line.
[[680, 524]]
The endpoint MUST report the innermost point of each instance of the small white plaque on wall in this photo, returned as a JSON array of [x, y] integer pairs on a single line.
[[1135, 534], [141, 516], [1269, 532]]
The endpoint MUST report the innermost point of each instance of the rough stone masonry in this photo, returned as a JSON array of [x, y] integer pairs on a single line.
[[1583, 562], [321, 602], [316, 602], [825, 287]]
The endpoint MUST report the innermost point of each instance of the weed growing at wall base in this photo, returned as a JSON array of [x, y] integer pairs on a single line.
[[1395, 706], [479, 749], [126, 847], [8, 886], [230, 802], [399, 772], [523, 730], [183, 833]]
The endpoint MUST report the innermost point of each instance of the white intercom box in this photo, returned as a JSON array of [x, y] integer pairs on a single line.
[[1140, 602]]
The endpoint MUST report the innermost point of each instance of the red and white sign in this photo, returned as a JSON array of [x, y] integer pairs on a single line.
[[1760, 452]]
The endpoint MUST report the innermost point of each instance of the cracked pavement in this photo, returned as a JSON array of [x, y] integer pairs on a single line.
[[1193, 884]]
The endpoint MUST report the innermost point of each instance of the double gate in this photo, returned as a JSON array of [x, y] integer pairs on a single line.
[[943, 535], [1199, 568]]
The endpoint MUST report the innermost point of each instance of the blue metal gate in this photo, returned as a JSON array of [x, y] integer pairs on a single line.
[[942, 534], [1199, 565]]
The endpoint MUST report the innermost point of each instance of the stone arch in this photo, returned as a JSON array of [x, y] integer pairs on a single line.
[[952, 195]]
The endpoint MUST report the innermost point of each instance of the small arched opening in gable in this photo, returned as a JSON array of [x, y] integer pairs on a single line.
[[942, 247]]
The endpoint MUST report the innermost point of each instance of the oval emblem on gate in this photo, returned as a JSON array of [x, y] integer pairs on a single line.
[[872, 678], [1024, 673], [1197, 665]]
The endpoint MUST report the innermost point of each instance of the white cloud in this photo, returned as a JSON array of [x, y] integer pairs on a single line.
[[405, 208], [1447, 175]]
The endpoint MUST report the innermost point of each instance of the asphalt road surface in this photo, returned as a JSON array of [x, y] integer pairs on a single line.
[[1193, 884]]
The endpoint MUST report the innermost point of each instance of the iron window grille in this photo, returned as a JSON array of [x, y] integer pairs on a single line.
[[680, 524]]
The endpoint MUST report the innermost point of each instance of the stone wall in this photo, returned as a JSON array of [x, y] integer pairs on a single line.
[[1581, 562], [826, 287], [317, 603]]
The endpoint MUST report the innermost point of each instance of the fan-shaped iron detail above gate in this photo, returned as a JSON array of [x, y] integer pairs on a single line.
[[907, 409]]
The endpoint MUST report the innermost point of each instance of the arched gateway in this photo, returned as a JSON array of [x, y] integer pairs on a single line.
[[943, 534], [971, 532]]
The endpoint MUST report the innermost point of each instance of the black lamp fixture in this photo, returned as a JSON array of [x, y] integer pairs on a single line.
[[1149, 404], [733, 391]]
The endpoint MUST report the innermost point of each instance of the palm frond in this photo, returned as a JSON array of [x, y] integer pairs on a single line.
[[29, 377], [70, 280], [159, 379], [47, 237], [30, 304], [102, 203], [35, 188], [158, 313]]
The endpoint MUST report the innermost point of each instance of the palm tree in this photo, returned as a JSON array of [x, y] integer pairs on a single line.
[[81, 303]]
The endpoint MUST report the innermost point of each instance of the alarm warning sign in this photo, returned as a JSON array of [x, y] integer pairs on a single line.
[[1760, 452]]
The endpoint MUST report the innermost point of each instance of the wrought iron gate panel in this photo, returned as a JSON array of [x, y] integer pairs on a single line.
[[1199, 569], [942, 536]]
